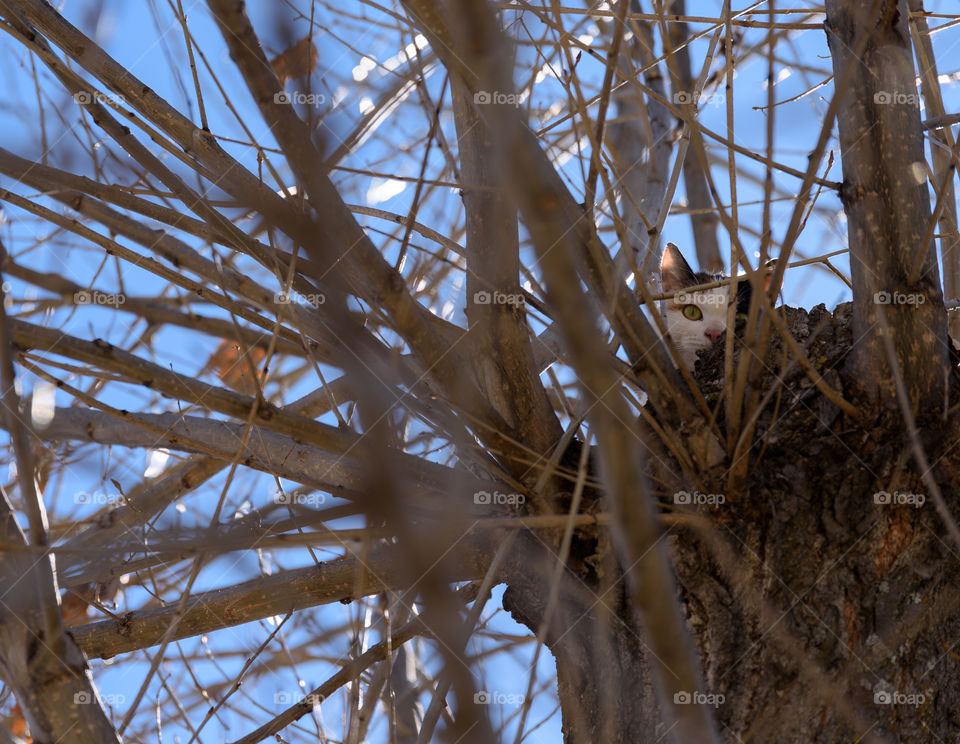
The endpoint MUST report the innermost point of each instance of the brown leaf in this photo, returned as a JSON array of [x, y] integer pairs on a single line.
[[235, 367], [17, 724], [297, 61], [74, 604]]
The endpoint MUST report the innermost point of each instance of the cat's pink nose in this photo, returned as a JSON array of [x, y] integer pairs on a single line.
[[713, 334]]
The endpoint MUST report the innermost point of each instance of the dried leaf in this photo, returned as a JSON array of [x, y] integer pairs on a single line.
[[297, 61], [17, 724], [74, 604], [236, 367]]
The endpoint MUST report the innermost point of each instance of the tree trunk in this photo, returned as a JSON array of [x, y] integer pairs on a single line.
[[604, 680], [896, 283], [824, 598]]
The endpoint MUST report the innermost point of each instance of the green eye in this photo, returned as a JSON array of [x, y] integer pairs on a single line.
[[692, 312]]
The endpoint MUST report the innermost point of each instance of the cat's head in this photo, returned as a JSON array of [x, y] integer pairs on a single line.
[[696, 319]]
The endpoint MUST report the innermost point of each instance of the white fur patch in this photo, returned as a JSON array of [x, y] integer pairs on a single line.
[[690, 336]]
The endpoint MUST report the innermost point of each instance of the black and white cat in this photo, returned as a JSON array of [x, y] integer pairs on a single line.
[[695, 319]]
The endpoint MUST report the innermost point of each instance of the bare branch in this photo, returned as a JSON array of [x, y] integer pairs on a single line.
[[336, 581]]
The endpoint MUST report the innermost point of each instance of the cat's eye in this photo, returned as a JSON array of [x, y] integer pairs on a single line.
[[692, 312]]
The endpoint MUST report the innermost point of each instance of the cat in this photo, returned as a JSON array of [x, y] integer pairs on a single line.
[[695, 320]]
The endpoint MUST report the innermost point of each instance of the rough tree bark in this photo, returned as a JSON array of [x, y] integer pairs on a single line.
[[828, 589]]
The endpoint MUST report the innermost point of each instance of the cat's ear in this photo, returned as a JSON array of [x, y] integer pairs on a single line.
[[745, 288], [675, 271]]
